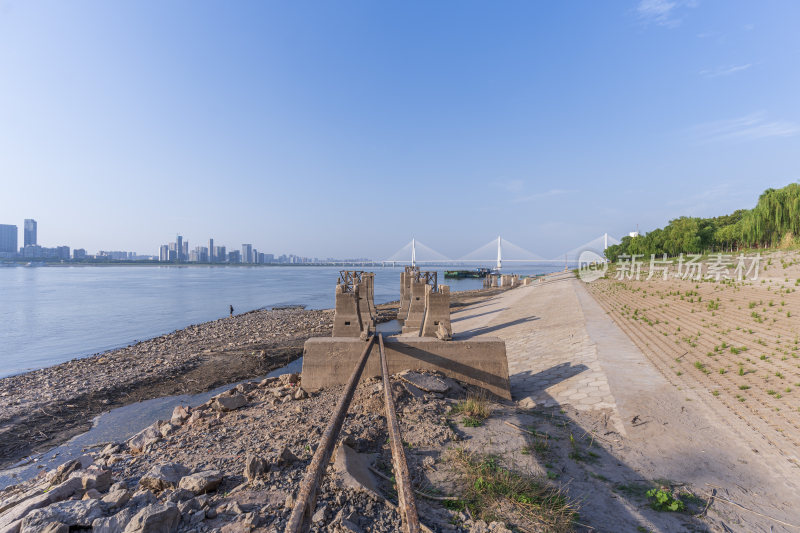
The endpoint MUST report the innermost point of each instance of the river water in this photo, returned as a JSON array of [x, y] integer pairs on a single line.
[[49, 315]]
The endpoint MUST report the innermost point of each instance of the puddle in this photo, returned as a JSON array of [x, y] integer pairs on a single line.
[[118, 425], [391, 327]]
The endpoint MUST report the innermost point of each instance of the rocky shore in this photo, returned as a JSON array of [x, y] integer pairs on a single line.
[[43, 408], [235, 464]]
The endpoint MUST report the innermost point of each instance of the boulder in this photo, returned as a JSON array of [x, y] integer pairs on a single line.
[[93, 477], [73, 513], [116, 498], [230, 403], [113, 524], [155, 518], [179, 415], [20, 510], [161, 477], [201, 482]]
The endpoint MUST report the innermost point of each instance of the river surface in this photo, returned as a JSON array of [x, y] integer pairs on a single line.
[[52, 314]]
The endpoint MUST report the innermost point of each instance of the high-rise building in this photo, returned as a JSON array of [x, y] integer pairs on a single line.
[[79, 253], [220, 253], [30, 232], [234, 257], [210, 250], [8, 239], [247, 253], [179, 248], [163, 253]]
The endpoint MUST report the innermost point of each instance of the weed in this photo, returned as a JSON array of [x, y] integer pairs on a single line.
[[475, 409], [663, 500], [494, 492]]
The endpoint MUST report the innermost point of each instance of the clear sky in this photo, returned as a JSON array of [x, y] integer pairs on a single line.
[[345, 128]]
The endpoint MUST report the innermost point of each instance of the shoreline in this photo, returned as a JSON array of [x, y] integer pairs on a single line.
[[45, 407]]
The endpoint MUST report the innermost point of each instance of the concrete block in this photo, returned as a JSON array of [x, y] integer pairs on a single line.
[[329, 361], [367, 320], [405, 297], [416, 308], [494, 281], [437, 314], [346, 318]]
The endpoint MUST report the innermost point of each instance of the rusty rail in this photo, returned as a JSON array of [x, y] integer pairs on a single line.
[[300, 519], [405, 493]]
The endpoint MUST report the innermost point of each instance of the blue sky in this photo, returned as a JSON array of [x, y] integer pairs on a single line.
[[346, 128]]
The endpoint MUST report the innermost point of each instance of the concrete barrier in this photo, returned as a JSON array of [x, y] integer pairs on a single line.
[[329, 361], [437, 314], [494, 281], [346, 318]]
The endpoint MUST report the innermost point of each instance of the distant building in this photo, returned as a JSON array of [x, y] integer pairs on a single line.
[[62, 252], [8, 240], [247, 253], [79, 253], [234, 257], [211, 250], [30, 232], [179, 248], [269, 258], [163, 253], [220, 254], [633, 234]]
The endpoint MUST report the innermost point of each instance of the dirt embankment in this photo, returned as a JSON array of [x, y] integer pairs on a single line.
[[738, 342]]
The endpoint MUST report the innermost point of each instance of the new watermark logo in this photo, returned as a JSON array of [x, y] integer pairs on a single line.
[[591, 266]]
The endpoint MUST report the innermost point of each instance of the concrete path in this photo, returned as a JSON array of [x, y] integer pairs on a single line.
[[551, 358]]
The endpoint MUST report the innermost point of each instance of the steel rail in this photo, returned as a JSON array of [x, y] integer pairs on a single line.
[[300, 519], [405, 493]]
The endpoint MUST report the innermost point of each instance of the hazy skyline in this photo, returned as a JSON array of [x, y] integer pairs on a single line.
[[345, 129]]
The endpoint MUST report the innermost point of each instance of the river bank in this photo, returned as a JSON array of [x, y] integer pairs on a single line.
[[46, 407]]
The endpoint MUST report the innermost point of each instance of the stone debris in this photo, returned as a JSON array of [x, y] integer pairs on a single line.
[[239, 469], [230, 403], [426, 382]]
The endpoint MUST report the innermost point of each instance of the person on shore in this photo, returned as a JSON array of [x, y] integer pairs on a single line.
[[231, 309]]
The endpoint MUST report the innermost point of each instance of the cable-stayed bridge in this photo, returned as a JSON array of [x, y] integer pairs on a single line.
[[497, 251]]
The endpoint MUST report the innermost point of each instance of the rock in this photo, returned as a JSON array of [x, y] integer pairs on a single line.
[[246, 387], [116, 498], [353, 468], [113, 524], [287, 379], [55, 527], [73, 513], [167, 429], [93, 477], [92, 494], [195, 417], [161, 477], [300, 394], [414, 391], [148, 435], [179, 415], [12, 518], [286, 457], [155, 518], [197, 517], [254, 466], [230, 403], [426, 382], [319, 515], [201, 482], [63, 471]]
